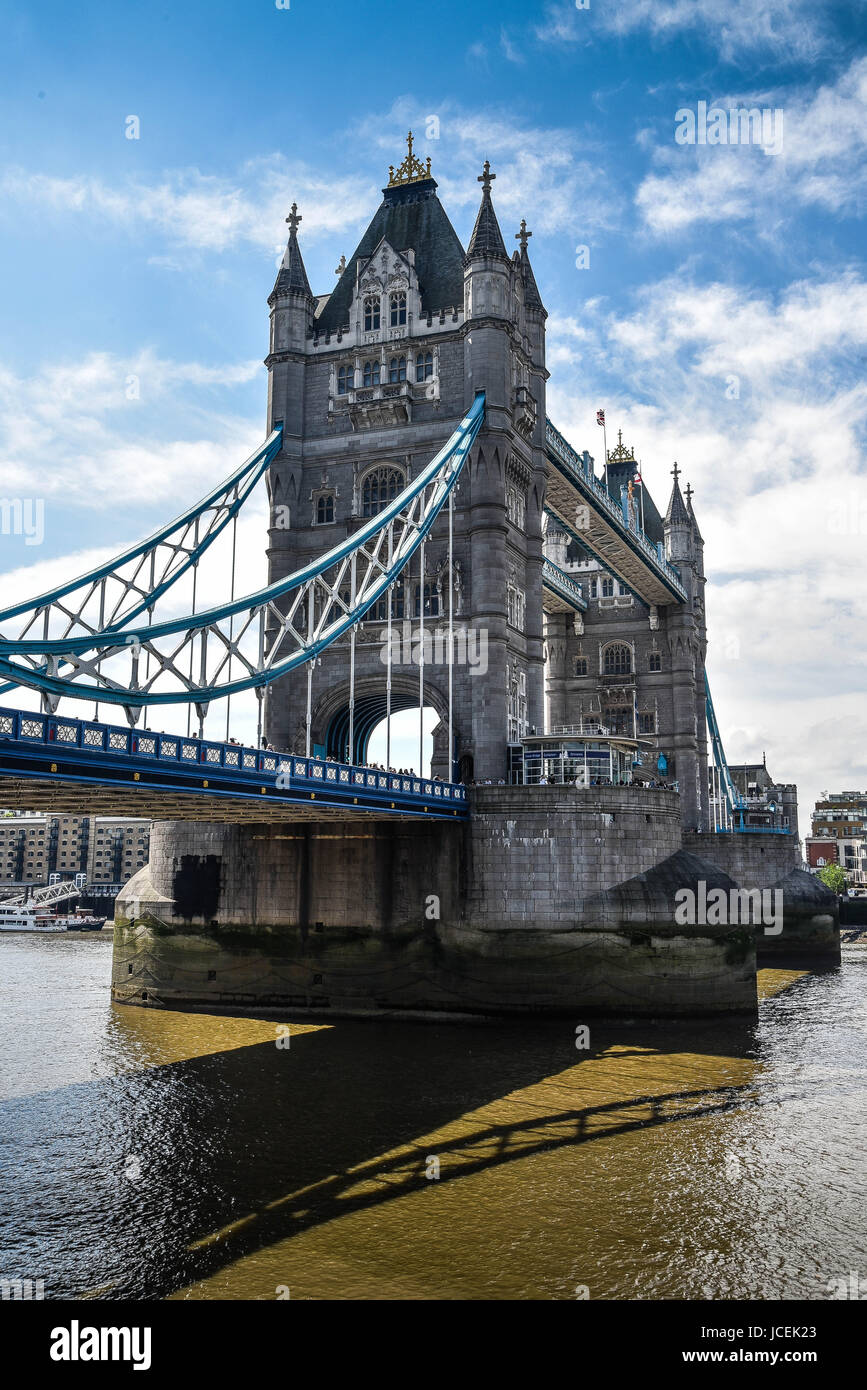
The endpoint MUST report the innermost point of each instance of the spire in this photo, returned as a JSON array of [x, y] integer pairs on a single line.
[[532, 297], [292, 277], [487, 239], [689, 496], [677, 513]]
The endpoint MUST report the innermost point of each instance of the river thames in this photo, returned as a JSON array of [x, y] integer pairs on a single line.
[[151, 1154]]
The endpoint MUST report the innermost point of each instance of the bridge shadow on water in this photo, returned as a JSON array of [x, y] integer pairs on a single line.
[[264, 1143], [150, 1181]]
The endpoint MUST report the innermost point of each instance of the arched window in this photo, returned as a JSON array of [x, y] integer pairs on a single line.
[[617, 719], [371, 313], [324, 511], [378, 488], [580, 666], [654, 662], [345, 380], [371, 373], [397, 369], [431, 600], [379, 611], [617, 660], [398, 309], [423, 366]]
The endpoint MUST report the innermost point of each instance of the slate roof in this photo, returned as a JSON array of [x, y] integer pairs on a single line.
[[409, 216], [677, 514], [487, 239], [292, 277], [532, 296]]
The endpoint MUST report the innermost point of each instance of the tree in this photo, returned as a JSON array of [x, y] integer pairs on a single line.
[[834, 878]]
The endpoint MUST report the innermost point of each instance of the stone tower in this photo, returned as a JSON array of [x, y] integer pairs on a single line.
[[369, 381], [636, 668]]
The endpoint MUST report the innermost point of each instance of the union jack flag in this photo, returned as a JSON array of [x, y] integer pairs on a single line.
[[600, 417]]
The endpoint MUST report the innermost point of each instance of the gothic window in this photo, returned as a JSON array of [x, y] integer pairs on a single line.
[[379, 487], [647, 723], [423, 366], [617, 660], [398, 309], [324, 510], [379, 611], [622, 590], [515, 505], [371, 313], [371, 373], [594, 588], [655, 662], [515, 607], [517, 690], [345, 380], [617, 719], [397, 369], [580, 666], [431, 600], [607, 588]]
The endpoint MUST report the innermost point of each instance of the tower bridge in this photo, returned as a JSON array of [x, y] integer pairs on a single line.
[[415, 484]]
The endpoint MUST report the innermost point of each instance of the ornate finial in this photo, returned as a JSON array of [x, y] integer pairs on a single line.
[[689, 494], [485, 178], [340, 269], [621, 454], [293, 219], [411, 170], [675, 472], [523, 235]]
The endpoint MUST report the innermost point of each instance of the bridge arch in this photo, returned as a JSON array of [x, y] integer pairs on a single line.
[[331, 717]]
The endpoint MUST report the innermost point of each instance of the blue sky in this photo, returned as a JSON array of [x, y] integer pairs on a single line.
[[722, 319]]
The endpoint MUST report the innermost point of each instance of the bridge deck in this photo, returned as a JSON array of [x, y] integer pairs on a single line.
[[70, 766], [560, 592], [584, 509]]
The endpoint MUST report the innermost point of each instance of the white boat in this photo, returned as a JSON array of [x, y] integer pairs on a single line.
[[26, 917]]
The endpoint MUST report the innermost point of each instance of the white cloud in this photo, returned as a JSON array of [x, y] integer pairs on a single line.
[[112, 433], [204, 211], [790, 27], [822, 164], [780, 490]]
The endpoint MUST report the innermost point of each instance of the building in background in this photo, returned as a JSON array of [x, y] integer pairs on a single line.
[[107, 849], [841, 817]]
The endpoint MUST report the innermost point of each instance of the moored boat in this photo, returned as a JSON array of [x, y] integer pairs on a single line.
[[27, 917]]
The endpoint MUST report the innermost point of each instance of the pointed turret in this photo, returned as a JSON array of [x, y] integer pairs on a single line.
[[676, 515], [292, 277], [692, 517], [487, 239], [532, 297]]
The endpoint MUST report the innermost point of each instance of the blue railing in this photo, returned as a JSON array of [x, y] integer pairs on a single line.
[[585, 479], [560, 582], [238, 768]]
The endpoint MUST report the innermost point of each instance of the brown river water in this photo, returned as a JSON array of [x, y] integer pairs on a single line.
[[156, 1154]]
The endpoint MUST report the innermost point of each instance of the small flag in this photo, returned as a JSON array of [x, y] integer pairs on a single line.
[[637, 478], [600, 417]]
